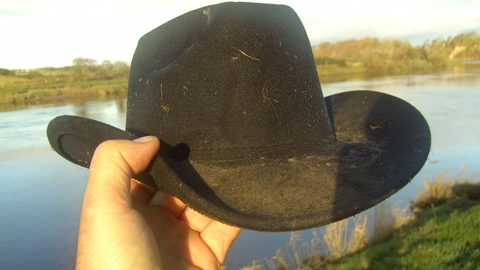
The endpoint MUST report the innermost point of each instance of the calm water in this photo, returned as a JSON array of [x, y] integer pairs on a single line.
[[41, 196]]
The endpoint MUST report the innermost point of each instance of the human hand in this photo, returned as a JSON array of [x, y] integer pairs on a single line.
[[125, 224]]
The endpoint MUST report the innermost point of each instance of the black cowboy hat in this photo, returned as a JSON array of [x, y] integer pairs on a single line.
[[247, 137]]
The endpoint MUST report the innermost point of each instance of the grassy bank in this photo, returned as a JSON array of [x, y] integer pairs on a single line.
[[18, 90], [85, 79], [334, 72], [439, 230]]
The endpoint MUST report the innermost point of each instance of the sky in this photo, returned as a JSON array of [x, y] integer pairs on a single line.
[[51, 33]]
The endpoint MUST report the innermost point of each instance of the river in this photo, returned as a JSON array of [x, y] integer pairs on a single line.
[[42, 193]]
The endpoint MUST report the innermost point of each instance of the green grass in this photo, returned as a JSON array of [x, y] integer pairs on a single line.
[[441, 231], [48, 85], [17, 90], [446, 236]]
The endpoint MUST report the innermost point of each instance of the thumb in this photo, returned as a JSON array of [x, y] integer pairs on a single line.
[[112, 167]]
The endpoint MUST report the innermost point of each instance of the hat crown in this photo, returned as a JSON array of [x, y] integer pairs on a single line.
[[243, 77]]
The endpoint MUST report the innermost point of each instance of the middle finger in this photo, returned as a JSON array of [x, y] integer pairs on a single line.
[[141, 192], [166, 201]]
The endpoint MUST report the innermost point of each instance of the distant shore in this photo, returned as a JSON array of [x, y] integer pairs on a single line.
[[24, 90], [34, 92]]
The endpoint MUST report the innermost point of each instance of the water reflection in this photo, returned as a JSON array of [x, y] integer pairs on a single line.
[[97, 109], [77, 101], [42, 193], [25, 126]]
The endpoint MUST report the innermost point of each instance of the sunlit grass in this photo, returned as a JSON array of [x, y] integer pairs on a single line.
[[15, 90], [8, 81]]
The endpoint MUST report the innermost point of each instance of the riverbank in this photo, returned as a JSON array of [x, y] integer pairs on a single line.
[[48, 88], [14, 90], [331, 72], [84, 79], [440, 230]]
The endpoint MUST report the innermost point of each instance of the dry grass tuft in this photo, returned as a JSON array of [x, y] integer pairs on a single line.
[[254, 266], [303, 254], [444, 187], [339, 241], [440, 188], [387, 219]]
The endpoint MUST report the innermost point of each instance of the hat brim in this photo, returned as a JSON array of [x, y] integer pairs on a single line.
[[382, 142]]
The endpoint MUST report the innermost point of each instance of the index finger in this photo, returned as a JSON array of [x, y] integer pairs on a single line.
[[112, 167]]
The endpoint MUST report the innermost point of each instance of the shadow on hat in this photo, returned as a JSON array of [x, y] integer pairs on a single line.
[[247, 137]]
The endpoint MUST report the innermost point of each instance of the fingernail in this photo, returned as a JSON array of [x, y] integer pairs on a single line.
[[144, 139]]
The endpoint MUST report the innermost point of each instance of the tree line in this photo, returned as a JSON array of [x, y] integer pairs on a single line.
[[82, 69], [396, 56], [88, 69], [372, 54]]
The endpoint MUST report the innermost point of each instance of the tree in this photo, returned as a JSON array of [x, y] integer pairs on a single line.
[[121, 69], [6, 72], [83, 67], [84, 62]]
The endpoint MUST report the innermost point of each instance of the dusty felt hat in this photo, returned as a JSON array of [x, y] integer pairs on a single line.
[[247, 137]]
